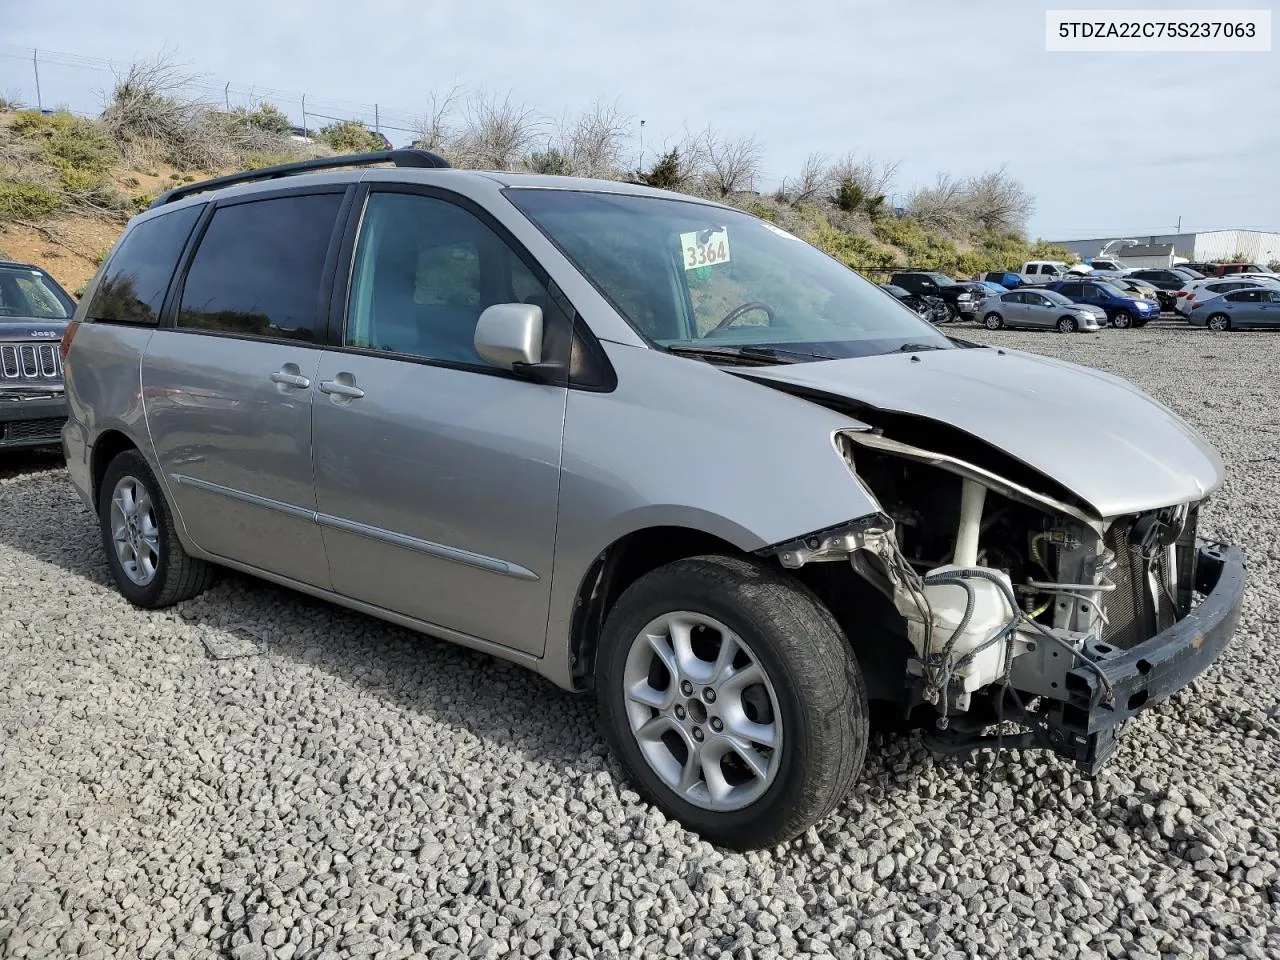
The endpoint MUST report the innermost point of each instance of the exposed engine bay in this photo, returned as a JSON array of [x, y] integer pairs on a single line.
[[1008, 596]]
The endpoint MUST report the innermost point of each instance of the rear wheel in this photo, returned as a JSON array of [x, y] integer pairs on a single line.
[[1122, 320], [1219, 322], [993, 321], [1068, 325], [146, 558], [733, 699]]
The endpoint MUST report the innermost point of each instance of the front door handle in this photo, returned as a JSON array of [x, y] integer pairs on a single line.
[[339, 388], [290, 379]]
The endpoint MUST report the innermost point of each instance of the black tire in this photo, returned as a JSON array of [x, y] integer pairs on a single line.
[[807, 658], [953, 313], [1219, 323], [178, 576], [1067, 325], [993, 321], [1122, 320]]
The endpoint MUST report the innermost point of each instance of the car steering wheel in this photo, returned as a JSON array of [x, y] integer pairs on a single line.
[[738, 311]]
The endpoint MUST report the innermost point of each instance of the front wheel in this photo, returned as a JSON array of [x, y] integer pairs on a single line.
[[146, 558], [1219, 322], [993, 321], [733, 699], [1068, 325], [1122, 320]]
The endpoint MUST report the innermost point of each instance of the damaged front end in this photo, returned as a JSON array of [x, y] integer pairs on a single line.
[[1023, 607]]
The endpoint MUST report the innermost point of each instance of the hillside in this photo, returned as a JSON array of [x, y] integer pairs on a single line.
[[68, 184]]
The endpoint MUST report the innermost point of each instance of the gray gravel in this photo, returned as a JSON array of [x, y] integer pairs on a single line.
[[356, 790]]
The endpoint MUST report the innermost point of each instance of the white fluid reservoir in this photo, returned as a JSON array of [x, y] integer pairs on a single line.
[[991, 614]]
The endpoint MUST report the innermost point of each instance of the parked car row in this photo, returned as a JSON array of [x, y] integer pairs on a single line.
[[1133, 297]]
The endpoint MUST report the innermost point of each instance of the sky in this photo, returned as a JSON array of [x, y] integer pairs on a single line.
[[1108, 143]]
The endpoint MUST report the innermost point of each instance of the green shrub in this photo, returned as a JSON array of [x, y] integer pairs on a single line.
[[925, 248], [851, 198], [350, 136], [860, 253], [77, 148], [26, 199], [666, 174], [549, 161], [267, 118]]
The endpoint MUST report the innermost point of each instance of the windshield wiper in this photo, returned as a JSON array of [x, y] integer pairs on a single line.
[[745, 354], [917, 347]]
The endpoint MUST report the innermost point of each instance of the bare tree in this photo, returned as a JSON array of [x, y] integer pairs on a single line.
[[732, 164], [998, 202], [809, 184], [945, 205], [432, 130], [874, 178], [150, 108], [495, 133], [592, 144]]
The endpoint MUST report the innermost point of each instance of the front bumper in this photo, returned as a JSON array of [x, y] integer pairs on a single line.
[[1088, 728], [31, 419]]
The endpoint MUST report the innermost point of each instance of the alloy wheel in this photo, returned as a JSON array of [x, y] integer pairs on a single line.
[[134, 531], [703, 711]]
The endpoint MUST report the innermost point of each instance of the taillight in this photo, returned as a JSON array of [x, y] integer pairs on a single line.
[[1196, 306], [67, 336]]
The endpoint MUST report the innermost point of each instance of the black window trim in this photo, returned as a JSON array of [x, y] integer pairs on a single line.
[[169, 314], [604, 378]]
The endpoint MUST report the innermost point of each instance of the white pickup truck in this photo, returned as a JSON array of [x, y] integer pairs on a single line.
[[1043, 271]]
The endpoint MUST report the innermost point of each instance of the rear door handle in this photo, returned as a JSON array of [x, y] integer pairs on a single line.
[[339, 389], [290, 379]]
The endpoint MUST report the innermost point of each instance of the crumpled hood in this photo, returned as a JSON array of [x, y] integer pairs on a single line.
[[1098, 435]]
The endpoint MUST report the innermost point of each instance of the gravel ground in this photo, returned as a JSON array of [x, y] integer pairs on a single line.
[[360, 791]]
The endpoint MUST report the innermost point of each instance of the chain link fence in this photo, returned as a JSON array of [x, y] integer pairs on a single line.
[[49, 79]]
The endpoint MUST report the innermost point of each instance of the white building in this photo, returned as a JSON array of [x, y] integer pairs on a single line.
[[1252, 246]]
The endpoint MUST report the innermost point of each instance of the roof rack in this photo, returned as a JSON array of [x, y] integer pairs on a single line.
[[401, 158]]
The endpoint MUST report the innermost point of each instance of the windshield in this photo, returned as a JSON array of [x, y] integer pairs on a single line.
[[29, 294], [1057, 298], [941, 279], [1111, 288], [685, 273], [1188, 273]]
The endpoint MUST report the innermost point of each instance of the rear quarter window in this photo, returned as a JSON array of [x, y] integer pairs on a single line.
[[135, 280]]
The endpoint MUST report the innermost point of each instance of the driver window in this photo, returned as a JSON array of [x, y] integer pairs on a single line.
[[425, 270]]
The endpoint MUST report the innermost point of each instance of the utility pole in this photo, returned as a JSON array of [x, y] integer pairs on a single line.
[[35, 66], [226, 95], [642, 145], [1179, 230]]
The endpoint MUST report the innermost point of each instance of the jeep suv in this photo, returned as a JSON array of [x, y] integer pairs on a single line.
[[34, 312], [652, 448]]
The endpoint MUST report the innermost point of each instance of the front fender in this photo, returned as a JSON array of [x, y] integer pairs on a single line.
[[681, 443]]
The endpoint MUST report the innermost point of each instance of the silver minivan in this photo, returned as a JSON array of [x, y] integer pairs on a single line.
[[650, 447]]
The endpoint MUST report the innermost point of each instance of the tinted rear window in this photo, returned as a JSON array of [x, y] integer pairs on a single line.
[[133, 287], [258, 268]]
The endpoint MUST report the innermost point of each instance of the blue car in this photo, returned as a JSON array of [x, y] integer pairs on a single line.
[[1005, 278], [1121, 309]]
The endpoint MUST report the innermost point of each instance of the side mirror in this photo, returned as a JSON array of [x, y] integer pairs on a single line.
[[508, 334]]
